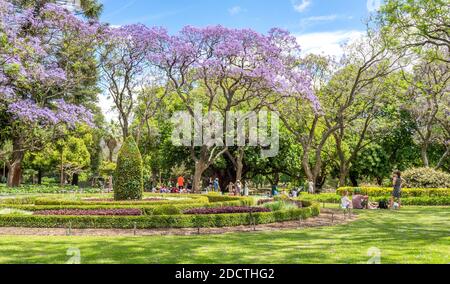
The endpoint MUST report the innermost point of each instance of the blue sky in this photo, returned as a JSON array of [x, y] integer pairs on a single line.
[[321, 25]]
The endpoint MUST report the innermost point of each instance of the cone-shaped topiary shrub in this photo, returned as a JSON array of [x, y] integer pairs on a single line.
[[128, 177]]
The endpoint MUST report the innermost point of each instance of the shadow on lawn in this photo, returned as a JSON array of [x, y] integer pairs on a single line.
[[410, 235]]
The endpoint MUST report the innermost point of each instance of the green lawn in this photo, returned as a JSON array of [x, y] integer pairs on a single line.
[[413, 235]]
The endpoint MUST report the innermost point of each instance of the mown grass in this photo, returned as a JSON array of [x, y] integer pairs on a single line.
[[412, 235]]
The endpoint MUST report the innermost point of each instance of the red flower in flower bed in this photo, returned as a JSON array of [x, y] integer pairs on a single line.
[[99, 212], [225, 210]]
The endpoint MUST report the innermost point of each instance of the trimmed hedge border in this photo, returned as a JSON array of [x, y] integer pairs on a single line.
[[150, 209], [406, 192], [408, 201], [161, 221]]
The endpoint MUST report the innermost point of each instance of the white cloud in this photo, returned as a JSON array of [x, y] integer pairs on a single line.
[[301, 5], [310, 21], [235, 10], [328, 43]]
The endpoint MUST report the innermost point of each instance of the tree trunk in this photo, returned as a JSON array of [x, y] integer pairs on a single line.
[[39, 181], [61, 176], [75, 179], [424, 154], [200, 167], [343, 173], [239, 164], [15, 167]]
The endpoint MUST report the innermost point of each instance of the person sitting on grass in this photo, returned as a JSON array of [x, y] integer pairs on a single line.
[[362, 202], [345, 201]]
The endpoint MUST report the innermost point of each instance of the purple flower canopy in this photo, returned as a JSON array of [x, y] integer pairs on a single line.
[[62, 112], [28, 62], [253, 61]]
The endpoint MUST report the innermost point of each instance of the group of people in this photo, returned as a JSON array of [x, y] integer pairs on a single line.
[[181, 186], [360, 201], [238, 189]]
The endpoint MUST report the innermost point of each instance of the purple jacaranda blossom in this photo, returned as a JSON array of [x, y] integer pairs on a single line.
[[30, 63], [241, 59], [61, 112]]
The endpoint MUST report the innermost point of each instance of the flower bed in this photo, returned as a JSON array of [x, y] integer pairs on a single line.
[[99, 212], [225, 210], [155, 222], [387, 191], [62, 212]]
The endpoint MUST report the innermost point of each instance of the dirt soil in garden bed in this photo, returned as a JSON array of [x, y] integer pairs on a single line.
[[328, 217]]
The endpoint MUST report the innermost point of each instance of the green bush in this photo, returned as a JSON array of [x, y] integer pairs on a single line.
[[409, 201], [165, 207], [53, 189], [159, 221], [386, 191], [129, 175], [280, 205], [426, 178]]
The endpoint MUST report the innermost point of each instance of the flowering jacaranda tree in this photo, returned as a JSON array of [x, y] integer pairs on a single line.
[[40, 76], [232, 67], [126, 71]]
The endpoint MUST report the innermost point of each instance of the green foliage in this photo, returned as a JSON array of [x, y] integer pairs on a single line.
[[426, 178], [53, 189], [387, 191], [128, 177], [159, 221], [280, 206], [435, 200]]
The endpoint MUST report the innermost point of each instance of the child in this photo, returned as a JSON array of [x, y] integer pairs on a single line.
[[345, 201]]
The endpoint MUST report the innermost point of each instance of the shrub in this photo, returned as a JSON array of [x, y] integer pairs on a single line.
[[409, 201], [426, 178], [98, 212], [280, 205], [128, 177], [226, 210], [264, 201], [162, 221], [387, 191]]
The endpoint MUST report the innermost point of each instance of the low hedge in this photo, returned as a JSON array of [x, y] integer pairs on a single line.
[[59, 201], [160, 221], [150, 209], [53, 189], [386, 191], [408, 201]]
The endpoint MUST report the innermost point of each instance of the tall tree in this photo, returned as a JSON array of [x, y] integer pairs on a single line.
[[429, 105], [40, 76], [232, 67], [422, 25]]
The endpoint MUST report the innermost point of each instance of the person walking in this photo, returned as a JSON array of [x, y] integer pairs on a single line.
[[246, 189], [180, 183], [397, 192], [239, 188], [216, 185]]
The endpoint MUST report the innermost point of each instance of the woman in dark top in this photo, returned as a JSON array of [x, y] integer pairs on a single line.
[[397, 192]]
